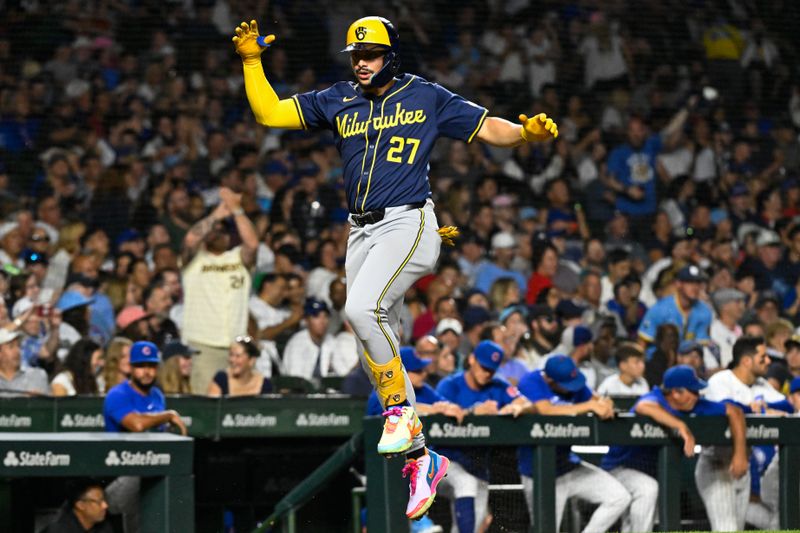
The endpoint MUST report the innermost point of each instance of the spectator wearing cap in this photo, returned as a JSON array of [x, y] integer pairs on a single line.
[[75, 316], [133, 323], [474, 318], [629, 380], [691, 353], [577, 343], [84, 510], [101, 310], [240, 378], [544, 259], [480, 392], [39, 332], [503, 250], [765, 265], [216, 280], [273, 320], [16, 380], [134, 406], [635, 466], [427, 400], [310, 353], [544, 333], [768, 308], [174, 375], [11, 244], [83, 364], [725, 328], [683, 308], [443, 359], [559, 388], [680, 254], [569, 312]]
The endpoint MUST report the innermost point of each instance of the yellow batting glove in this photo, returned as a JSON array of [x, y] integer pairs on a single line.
[[248, 43], [538, 128]]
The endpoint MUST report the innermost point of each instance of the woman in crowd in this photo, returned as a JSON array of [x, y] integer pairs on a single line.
[[81, 368], [176, 369], [117, 366], [240, 378]]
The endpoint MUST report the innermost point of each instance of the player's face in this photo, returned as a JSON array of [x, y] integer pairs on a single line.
[[143, 375], [690, 290], [760, 361], [365, 63], [481, 375], [684, 399], [92, 506]]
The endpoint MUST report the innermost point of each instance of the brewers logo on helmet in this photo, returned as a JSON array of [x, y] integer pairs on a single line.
[[371, 33]]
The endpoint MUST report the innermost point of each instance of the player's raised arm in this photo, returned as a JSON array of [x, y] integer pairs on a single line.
[[500, 132], [269, 110]]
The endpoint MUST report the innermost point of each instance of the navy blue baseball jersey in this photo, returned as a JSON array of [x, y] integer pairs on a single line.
[[535, 388], [643, 458], [385, 142]]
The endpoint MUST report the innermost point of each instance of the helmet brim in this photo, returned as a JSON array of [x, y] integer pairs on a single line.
[[352, 47]]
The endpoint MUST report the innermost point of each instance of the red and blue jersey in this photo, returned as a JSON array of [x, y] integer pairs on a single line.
[[385, 142]]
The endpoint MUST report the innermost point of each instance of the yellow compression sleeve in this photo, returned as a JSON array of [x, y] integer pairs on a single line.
[[269, 110]]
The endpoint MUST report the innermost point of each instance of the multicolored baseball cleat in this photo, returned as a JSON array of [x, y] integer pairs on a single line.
[[424, 475], [399, 429]]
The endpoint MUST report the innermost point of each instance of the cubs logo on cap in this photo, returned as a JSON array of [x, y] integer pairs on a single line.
[[489, 355], [144, 352]]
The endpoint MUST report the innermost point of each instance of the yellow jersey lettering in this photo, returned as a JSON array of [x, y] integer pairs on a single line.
[[349, 126]]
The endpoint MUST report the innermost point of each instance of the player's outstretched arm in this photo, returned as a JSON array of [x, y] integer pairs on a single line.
[[268, 109], [501, 132], [665, 418]]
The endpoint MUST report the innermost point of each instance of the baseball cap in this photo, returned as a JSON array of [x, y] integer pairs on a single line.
[[683, 377], [568, 309], [71, 300], [6, 335], [724, 296], [794, 386], [174, 348], [489, 355], [82, 279], [691, 274], [127, 236], [411, 361], [131, 314], [475, 315], [510, 310], [581, 335], [528, 213], [564, 372], [768, 296], [144, 352], [449, 324], [503, 239], [739, 189], [313, 307], [768, 238], [687, 347], [541, 311]]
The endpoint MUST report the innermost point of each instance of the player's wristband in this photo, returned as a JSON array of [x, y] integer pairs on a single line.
[[522, 134]]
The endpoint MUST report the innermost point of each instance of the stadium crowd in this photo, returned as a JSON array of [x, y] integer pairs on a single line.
[[663, 219]]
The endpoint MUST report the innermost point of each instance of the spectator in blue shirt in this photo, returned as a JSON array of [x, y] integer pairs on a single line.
[[635, 466], [504, 248], [632, 167], [690, 315], [560, 389], [479, 392]]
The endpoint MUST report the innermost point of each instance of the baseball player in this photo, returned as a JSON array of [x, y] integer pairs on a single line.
[[560, 389], [480, 392], [385, 124], [635, 466], [744, 384]]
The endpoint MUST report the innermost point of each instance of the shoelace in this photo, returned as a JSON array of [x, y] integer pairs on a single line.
[[393, 411], [411, 469]]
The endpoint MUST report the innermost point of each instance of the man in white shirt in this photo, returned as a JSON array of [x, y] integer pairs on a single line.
[[725, 329], [744, 384], [629, 381], [272, 319], [311, 352]]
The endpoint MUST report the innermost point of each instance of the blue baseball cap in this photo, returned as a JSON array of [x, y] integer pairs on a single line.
[[683, 377], [581, 335], [144, 352], [313, 307], [475, 315], [687, 347], [489, 355], [510, 310], [71, 300], [564, 372], [794, 386], [411, 361]]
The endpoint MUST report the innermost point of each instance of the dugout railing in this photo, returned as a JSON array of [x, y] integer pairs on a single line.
[[387, 490]]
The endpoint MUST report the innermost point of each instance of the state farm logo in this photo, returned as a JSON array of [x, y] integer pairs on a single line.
[[759, 432], [555, 431], [239, 420], [82, 421], [452, 431], [129, 458], [321, 420], [647, 431], [28, 459], [15, 421]]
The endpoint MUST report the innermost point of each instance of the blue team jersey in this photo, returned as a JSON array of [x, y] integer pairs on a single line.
[[385, 142], [425, 395], [535, 388], [693, 324], [454, 389], [643, 458], [636, 167], [123, 399]]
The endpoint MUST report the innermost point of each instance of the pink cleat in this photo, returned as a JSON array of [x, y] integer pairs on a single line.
[[425, 473]]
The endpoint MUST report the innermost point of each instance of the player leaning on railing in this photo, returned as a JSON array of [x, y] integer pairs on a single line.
[[385, 124]]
